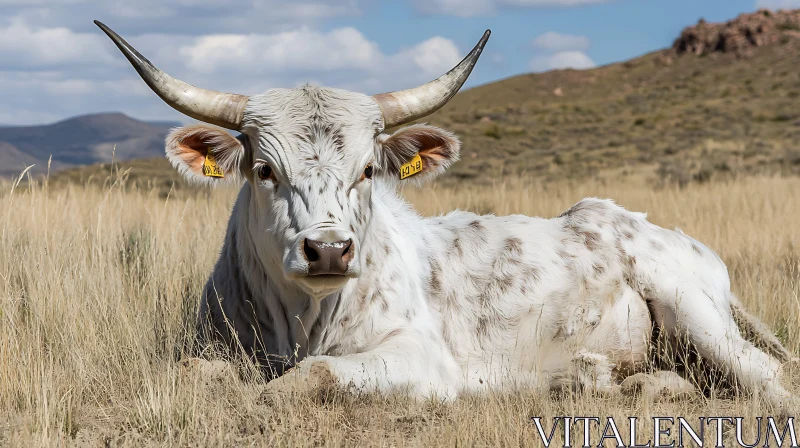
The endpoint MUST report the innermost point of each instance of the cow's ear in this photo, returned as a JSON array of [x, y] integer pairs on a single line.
[[437, 149], [206, 154]]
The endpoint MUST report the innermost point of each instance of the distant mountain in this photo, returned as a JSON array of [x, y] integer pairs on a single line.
[[81, 140]]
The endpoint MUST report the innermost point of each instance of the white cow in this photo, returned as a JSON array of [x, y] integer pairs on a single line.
[[324, 263]]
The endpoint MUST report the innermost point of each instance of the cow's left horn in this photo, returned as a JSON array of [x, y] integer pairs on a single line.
[[221, 109], [407, 105]]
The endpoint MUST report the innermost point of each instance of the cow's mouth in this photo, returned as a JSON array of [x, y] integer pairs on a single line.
[[323, 284], [332, 277]]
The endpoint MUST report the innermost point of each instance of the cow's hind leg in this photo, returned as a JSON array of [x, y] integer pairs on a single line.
[[712, 332]]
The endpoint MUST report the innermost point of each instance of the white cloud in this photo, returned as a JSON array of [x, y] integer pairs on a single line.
[[190, 17], [559, 51], [301, 50], [433, 57], [545, 3], [39, 2], [552, 41], [342, 56], [778, 4], [458, 8], [471, 8], [24, 46], [136, 11], [560, 60]]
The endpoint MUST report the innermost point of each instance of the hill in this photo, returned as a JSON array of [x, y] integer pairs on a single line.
[[82, 140], [683, 115], [722, 101]]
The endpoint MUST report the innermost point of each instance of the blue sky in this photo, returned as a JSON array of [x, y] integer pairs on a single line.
[[54, 63]]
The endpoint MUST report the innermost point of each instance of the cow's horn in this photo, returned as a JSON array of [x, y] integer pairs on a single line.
[[407, 105], [221, 109]]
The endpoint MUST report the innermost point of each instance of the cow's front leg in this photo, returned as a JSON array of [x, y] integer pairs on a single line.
[[405, 364], [588, 372], [310, 374]]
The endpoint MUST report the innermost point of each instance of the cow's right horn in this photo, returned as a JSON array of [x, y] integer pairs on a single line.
[[408, 105], [218, 108]]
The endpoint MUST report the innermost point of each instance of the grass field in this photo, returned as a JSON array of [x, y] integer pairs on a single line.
[[98, 288]]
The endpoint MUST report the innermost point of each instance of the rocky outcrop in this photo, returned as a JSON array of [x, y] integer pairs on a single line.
[[740, 35]]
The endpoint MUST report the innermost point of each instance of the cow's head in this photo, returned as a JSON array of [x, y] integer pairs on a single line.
[[311, 156]]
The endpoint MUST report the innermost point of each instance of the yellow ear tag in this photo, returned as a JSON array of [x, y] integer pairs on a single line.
[[414, 166], [210, 167]]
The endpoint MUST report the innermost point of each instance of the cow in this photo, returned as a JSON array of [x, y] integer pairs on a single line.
[[327, 275]]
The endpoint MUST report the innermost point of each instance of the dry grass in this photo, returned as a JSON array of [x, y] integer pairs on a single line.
[[98, 286]]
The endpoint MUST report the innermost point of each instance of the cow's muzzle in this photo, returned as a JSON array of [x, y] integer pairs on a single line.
[[322, 259], [327, 258]]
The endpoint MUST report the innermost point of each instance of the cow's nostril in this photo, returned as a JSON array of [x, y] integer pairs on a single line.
[[347, 249], [347, 254], [310, 252]]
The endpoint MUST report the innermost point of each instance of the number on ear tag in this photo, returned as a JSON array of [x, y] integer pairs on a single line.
[[210, 167], [414, 166]]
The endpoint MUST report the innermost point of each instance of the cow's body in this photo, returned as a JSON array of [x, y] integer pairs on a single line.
[[465, 302], [324, 263]]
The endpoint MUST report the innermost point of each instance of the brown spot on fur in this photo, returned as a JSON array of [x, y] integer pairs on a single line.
[[564, 255], [457, 247], [338, 140], [330, 215], [505, 283], [434, 281], [657, 245], [483, 297], [513, 246], [477, 225], [696, 249], [378, 296], [359, 217], [483, 326], [599, 269], [625, 220], [392, 334], [584, 208], [591, 240], [532, 272], [369, 260]]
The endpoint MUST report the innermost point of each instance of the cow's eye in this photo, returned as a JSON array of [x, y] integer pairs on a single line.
[[264, 172], [368, 172]]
